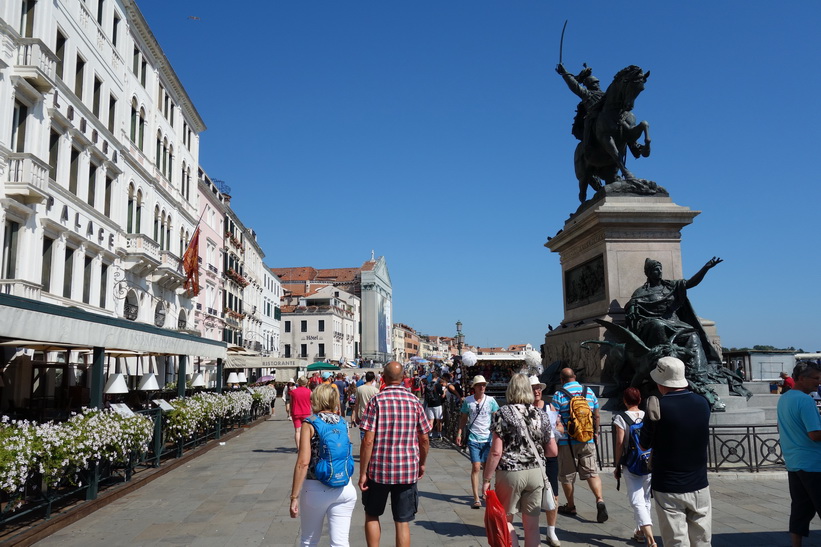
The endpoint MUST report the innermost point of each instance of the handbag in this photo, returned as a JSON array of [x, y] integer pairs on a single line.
[[548, 500]]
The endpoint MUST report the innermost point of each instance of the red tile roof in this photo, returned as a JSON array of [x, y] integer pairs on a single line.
[[303, 273], [340, 275], [326, 275], [300, 290]]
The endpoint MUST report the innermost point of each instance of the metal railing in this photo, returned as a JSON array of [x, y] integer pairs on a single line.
[[37, 500], [749, 447]]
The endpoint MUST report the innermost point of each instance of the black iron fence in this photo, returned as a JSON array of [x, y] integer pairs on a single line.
[[750, 448], [747, 448], [38, 499]]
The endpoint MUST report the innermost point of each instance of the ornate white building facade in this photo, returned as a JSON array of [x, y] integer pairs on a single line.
[[98, 142], [99, 148]]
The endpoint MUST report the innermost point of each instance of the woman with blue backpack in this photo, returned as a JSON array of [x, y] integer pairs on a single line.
[[322, 484], [632, 464]]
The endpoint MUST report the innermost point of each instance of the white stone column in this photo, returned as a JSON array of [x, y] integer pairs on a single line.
[[82, 174], [58, 269], [94, 292], [63, 159]]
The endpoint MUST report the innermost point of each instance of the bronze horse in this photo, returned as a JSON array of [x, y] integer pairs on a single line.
[[600, 156]]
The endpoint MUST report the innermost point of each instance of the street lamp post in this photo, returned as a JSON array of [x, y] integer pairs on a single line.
[[459, 337]]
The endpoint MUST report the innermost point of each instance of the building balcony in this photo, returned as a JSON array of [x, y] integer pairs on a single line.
[[142, 255], [169, 274], [36, 63], [21, 288], [233, 275], [27, 178]]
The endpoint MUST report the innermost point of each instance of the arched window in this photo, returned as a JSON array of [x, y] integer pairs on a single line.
[[131, 306], [170, 172], [161, 241], [165, 157], [182, 179], [157, 223], [141, 142], [183, 244], [188, 184], [168, 233], [159, 314], [158, 158], [130, 223], [134, 120], [139, 213]]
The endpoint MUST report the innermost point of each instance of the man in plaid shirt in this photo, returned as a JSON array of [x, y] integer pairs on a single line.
[[392, 456]]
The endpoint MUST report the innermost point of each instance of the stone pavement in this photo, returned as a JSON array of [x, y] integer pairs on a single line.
[[237, 494]]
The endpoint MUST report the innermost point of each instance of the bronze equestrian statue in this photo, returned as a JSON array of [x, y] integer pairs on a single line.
[[606, 127]]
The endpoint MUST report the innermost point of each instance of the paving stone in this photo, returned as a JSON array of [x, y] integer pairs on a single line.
[[237, 494]]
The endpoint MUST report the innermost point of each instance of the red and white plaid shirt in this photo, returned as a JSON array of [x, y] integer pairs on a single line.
[[397, 419]]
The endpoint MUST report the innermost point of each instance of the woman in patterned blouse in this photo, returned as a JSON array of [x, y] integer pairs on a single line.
[[519, 479]]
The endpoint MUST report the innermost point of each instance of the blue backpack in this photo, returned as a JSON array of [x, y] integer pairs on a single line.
[[635, 458], [335, 465]]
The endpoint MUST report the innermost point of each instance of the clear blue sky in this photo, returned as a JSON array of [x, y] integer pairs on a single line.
[[438, 135]]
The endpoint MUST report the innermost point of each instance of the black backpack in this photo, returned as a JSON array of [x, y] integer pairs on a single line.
[[433, 395]]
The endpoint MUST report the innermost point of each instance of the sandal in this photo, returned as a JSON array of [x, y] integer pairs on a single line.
[[601, 512], [567, 509], [476, 505], [639, 537]]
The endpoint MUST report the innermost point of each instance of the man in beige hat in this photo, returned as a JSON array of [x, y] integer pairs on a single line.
[[677, 429], [477, 412]]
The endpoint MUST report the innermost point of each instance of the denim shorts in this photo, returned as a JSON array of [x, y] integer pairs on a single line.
[[478, 451]]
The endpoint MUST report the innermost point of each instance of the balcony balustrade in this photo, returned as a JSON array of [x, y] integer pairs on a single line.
[[27, 178], [21, 288], [169, 274], [142, 255], [36, 63]]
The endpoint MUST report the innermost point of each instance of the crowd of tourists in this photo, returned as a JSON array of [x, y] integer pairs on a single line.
[[521, 451]]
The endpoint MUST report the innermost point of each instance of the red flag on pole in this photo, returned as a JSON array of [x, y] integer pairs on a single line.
[[190, 264]]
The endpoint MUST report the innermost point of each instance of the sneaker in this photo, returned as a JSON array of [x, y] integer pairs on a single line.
[[553, 542], [601, 512]]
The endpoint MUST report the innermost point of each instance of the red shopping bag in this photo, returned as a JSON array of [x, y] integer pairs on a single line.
[[496, 521]]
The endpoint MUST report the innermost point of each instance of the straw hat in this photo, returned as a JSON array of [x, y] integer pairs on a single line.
[[669, 372], [478, 379]]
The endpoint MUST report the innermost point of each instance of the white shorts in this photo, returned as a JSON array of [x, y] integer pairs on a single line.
[[434, 412]]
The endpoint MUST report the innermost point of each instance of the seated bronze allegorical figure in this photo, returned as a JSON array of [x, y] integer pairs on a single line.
[[660, 321], [660, 313]]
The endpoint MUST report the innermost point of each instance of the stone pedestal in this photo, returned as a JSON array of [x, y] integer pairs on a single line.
[[602, 250]]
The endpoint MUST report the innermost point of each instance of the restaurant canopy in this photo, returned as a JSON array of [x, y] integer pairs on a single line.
[[62, 328]]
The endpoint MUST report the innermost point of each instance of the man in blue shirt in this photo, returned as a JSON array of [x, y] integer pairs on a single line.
[[575, 456], [800, 427], [677, 428]]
